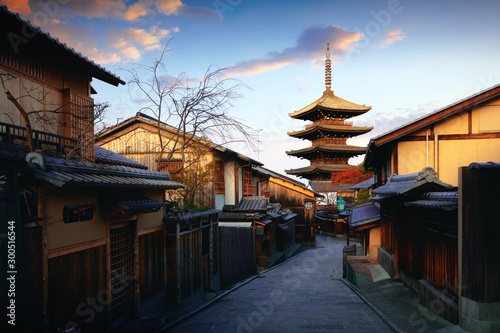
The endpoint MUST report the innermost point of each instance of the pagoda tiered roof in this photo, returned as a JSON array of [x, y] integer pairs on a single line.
[[318, 130], [318, 171], [331, 106], [337, 150]]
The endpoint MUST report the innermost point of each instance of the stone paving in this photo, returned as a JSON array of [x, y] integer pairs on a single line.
[[297, 296]]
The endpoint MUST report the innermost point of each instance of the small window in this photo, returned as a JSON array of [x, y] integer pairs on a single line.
[[34, 69], [10, 59], [78, 213]]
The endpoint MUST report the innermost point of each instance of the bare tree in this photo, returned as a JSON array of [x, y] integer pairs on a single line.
[[197, 110], [52, 118]]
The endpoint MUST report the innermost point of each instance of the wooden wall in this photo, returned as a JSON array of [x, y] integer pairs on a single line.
[[75, 281], [33, 270], [294, 200], [151, 264], [480, 225], [237, 254]]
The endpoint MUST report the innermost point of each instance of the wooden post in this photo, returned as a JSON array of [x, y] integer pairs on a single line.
[[200, 252], [211, 255], [42, 209], [191, 268], [137, 280], [178, 260], [108, 273]]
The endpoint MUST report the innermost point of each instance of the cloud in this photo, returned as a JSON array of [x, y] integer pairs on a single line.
[[387, 121], [120, 9], [110, 47], [311, 44], [390, 38], [169, 7], [19, 6]]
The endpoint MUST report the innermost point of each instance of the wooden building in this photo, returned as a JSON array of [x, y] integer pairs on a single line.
[[479, 248], [328, 133], [418, 236], [88, 223], [220, 176], [461, 133], [294, 196]]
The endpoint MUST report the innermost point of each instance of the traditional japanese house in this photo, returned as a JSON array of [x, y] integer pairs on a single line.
[[225, 176], [328, 134], [418, 233], [88, 223], [365, 221], [461, 133], [294, 196]]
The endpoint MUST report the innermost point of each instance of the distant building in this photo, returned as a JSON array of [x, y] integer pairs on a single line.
[[328, 133]]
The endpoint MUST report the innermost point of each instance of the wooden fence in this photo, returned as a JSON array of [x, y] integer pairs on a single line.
[[237, 254]]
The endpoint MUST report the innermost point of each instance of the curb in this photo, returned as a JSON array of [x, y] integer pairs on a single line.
[[382, 316], [224, 294]]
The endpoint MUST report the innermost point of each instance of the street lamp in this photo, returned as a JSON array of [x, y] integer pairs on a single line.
[[348, 213], [340, 205]]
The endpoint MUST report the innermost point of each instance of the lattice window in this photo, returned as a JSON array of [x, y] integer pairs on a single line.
[[220, 187], [122, 271], [82, 124], [10, 59]]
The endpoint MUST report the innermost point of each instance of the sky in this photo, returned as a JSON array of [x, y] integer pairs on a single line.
[[404, 58]]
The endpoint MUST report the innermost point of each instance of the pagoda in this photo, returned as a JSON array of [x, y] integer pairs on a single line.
[[328, 133]]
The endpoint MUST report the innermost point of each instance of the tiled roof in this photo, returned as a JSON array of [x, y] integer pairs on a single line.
[[399, 185], [365, 184], [331, 102], [322, 186], [132, 203], [484, 165], [437, 200], [10, 21], [365, 213], [62, 172], [191, 216], [105, 156], [252, 203], [317, 168], [346, 129], [329, 148]]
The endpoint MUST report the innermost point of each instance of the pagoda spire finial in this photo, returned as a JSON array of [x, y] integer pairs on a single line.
[[328, 69]]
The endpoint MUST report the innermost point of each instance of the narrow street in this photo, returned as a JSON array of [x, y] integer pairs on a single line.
[[298, 296]]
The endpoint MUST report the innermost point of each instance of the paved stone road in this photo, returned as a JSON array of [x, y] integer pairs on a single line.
[[298, 296]]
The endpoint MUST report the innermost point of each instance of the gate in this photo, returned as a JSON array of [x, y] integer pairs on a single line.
[[122, 273]]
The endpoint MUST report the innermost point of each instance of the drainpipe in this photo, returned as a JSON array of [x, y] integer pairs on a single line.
[[436, 153]]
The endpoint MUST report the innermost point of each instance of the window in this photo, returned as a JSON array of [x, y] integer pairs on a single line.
[[33, 68], [9, 59], [78, 213]]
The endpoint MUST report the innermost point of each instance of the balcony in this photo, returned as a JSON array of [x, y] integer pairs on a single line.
[[16, 137]]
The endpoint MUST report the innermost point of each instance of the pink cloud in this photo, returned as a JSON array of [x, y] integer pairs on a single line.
[[391, 37], [311, 45]]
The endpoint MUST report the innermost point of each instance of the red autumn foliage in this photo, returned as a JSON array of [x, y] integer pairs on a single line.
[[349, 176]]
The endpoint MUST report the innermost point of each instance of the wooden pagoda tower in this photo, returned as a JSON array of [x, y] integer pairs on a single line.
[[328, 133]]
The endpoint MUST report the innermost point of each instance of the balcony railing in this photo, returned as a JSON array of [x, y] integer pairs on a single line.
[[16, 136]]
